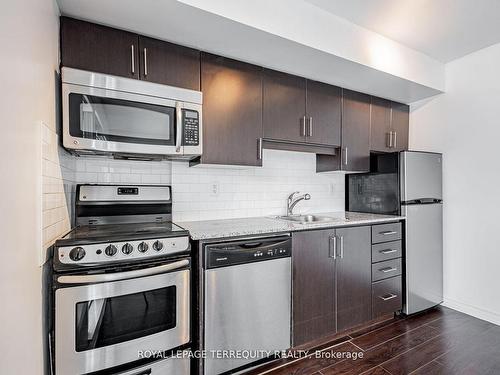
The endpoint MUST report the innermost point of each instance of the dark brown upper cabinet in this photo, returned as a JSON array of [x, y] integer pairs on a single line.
[[380, 128], [400, 126], [355, 152], [102, 49], [169, 64], [232, 111], [323, 113], [284, 112], [97, 48], [389, 126], [356, 132]]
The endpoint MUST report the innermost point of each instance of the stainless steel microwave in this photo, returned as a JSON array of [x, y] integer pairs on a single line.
[[129, 118]]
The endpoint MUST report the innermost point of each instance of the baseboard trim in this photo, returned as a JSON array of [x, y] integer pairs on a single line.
[[473, 311]]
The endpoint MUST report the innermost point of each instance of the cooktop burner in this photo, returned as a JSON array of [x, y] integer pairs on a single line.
[[121, 225], [87, 234]]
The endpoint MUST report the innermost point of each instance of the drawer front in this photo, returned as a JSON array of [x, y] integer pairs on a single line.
[[385, 251], [386, 232], [386, 269], [386, 296]]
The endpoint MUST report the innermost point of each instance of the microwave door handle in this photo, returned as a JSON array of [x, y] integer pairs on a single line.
[[107, 277], [178, 113]]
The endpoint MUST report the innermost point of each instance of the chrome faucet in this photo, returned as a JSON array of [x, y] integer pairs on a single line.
[[291, 202]]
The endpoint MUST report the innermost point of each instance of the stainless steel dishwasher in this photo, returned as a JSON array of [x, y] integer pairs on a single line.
[[247, 301]]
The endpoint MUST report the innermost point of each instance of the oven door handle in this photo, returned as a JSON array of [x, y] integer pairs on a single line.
[[106, 277]]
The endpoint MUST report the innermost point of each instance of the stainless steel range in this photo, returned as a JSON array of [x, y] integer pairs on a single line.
[[121, 285]]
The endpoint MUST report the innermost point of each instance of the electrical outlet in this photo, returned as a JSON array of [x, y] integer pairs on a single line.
[[214, 188]]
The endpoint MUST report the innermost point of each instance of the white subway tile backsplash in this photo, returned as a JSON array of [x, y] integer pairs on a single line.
[[254, 191], [199, 193], [129, 178]]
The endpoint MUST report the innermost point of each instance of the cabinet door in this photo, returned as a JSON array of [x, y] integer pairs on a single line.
[[324, 106], [400, 126], [313, 286], [232, 111], [380, 126], [98, 48], [353, 276], [169, 64], [355, 131], [284, 98]]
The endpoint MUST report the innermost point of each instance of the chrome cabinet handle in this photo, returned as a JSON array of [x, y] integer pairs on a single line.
[[395, 139], [178, 112], [332, 248], [132, 54], [145, 61], [259, 149], [389, 139], [388, 269], [303, 127], [388, 297], [310, 126], [387, 251], [345, 155], [341, 247], [388, 233], [106, 277]]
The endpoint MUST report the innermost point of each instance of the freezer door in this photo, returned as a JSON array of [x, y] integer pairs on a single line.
[[424, 256], [421, 175]]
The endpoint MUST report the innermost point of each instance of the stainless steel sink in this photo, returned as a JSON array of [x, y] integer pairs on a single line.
[[307, 219]]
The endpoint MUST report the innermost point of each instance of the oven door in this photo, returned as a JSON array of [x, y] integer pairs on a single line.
[[108, 121], [100, 325]]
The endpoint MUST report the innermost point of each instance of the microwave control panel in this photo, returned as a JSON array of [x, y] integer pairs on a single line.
[[191, 122]]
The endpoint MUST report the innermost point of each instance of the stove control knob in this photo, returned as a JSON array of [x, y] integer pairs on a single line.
[[127, 249], [143, 247], [110, 250], [158, 245], [77, 254]]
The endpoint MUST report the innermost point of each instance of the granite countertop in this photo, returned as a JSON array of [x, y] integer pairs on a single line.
[[208, 229]]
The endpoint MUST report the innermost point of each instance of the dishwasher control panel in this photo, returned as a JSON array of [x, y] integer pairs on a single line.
[[241, 252]]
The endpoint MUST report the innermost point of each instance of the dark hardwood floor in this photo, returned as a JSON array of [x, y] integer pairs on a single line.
[[438, 341]]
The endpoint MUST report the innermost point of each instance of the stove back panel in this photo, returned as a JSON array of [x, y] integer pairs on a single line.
[[121, 204]]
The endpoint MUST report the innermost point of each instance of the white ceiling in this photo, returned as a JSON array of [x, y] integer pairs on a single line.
[[442, 29], [305, 40]]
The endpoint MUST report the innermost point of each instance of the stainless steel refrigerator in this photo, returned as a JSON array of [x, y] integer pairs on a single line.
[[408, 183], [420, 175]]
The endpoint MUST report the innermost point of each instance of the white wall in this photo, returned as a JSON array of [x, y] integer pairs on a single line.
[[464, 124], [29, 40]]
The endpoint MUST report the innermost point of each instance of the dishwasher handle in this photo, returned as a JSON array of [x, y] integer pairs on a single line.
[[230, 253]]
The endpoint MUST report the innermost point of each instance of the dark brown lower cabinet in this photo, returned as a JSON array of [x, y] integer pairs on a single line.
[[313, 285], [331, 281], [354, 277]]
